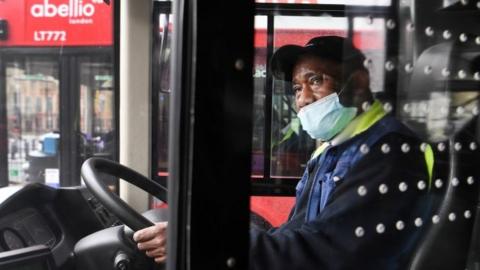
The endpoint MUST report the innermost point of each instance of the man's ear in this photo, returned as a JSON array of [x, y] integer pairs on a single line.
[[360, 82]]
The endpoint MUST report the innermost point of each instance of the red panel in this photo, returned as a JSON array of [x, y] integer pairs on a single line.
[[274, 209], [365, 40], [57, 22]]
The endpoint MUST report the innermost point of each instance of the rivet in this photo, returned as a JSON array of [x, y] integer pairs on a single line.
[[231, 262], [463, 37], [452, 216], [473, 146], [455, 181], [390, 24], [462, 74], [475, 110], [389, 66], [367, 63], [477, 40], [380, 228], [476, 75], [445, 72], [435, 219], [385, 148], [438, 183], [478, 4], [423, 147], [427, 69], [405, 148], [359, 232], [470, 180], [408, 67], [364, 149], [457, 145], [467, 214], [407, 107], [239, 64], [447, 34], [410, 27], [441, 147], [387, 107], [403, 186], [418, 222], [383, 189], [464, 2], [336, 178], [362, 190], [400, 225], [460, 110], [421, 185], [366, 106], [429, 31]]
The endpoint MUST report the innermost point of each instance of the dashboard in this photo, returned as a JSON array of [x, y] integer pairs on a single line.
[[25, 228], [56, 218]]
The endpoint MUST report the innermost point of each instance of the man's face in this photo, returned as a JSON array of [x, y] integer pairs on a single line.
[[313, 78]]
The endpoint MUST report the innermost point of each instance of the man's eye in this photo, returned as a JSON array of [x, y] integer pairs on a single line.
[[316, 80], [296, 88]]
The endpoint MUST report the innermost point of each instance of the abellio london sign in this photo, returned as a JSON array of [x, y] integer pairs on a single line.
[[57, 22]]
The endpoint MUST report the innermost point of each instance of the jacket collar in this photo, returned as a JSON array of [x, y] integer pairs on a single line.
[[358, 125]]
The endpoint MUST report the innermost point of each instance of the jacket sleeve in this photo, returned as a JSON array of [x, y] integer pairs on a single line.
[[373, 231]]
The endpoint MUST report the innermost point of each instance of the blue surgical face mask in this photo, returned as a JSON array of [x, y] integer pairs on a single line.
[[326, 117]]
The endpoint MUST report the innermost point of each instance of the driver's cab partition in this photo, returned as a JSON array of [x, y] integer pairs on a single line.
[[424, 66], [438, 84], [423, 59]]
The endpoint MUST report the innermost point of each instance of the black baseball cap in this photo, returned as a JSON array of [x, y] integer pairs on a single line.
[[334, 48]]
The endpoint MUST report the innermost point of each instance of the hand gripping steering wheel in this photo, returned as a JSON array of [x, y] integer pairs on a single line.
[[90, 174]]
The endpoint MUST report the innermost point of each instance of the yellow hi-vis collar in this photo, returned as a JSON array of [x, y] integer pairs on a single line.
[[363, 122]]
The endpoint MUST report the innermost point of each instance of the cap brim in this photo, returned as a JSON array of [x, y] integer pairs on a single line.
[[283, 61]]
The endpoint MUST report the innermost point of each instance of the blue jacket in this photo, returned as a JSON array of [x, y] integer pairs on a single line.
[[361, 211]]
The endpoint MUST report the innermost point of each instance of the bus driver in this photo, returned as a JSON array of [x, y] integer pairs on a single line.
[[361, 197]]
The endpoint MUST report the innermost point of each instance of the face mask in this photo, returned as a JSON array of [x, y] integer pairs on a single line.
[[326, 117]]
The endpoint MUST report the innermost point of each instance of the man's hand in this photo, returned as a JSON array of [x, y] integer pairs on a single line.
[[153, 240]]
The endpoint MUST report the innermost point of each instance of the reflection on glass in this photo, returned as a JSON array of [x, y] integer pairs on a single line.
[[33, 119], [96, 110], [332, 2], [259, 78], [369, 36], [161, 85]]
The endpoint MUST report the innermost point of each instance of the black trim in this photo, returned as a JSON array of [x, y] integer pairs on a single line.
[[68, 131], [267, 147], [211, 134], [317, 9], [58, 51], [116, 82], [392, 39], [3, 125], [155, 85]]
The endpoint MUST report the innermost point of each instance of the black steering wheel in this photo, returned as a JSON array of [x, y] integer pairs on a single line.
[[90, 174]]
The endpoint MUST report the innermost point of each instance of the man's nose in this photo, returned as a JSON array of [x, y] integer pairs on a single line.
[[305, 97]]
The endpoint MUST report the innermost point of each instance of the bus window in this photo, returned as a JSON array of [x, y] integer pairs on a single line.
[[161, 88], [32, 125], [57, 61], [277, 129]]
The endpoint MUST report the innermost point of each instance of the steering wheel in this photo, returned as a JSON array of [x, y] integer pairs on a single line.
[[90, 174]]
